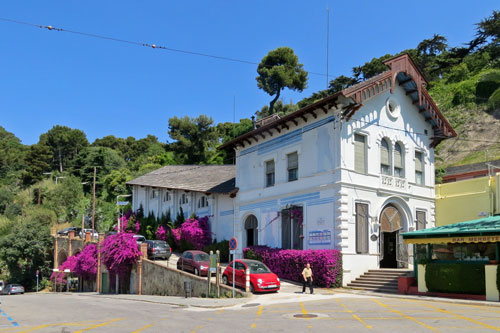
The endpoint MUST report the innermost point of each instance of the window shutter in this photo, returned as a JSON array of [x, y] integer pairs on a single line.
[[361, 228], [270, 167], [420, 220], [384, 153], [418, 161], [398, 157], [359, 153], [293, 161]]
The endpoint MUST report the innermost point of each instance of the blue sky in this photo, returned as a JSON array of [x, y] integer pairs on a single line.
[[102, 87]]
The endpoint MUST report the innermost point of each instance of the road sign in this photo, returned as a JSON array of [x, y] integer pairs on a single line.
[[232, 251], [233, 243]]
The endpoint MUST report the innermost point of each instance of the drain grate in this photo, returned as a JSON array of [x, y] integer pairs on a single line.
[[305, 315], [250, 305]]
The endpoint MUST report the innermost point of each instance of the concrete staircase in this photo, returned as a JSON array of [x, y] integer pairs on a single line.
[[382, 280]]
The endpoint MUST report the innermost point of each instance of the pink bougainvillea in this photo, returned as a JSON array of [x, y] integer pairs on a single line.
[[60, 277], [288, 264], [86, 263], [119, 252], [161, 233]]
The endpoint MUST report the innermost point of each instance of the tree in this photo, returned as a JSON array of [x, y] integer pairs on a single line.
[[280, 109], [195, 139], [340, 83], [64, 198], [38, 161], [278, 70], [12, 153], [65, 144], [371, 68], [488, 34]]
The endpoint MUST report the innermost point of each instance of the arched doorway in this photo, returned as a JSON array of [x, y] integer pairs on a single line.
[[61, 257], [251, 226], [392, 253]]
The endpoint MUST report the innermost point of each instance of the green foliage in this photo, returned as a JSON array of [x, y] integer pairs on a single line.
[[12, 154], [41, 216], [195, 139], [39, 160], [180, 218], [488, 83], [222, 246], [456, 278], [371, 68], [114, 183], [278, 70], [280, 109], [65, 143], [28, 251], [63, 198], [494, 100]]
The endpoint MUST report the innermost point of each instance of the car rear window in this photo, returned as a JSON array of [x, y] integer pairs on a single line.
[[161, 244], [258, 268], [202, 257]]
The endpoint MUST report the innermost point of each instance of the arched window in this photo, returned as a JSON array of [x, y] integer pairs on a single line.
[[203, 202], [251, 226], [183, 199], [167, 197], [399, 169], [385, 160]]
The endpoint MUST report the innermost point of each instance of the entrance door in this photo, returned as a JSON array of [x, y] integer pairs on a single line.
[[292, 228], [251, 226], [390, 245]]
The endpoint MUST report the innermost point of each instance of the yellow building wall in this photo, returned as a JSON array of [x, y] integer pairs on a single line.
[[466, 200]]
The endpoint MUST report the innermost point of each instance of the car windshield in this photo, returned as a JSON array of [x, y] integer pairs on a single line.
[[258, 268], [202, 257]]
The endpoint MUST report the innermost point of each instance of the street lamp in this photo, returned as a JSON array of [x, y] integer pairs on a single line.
[[59, 178], [121, 203]]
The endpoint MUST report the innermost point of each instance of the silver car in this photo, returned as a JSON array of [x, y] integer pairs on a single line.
[[11, 289]]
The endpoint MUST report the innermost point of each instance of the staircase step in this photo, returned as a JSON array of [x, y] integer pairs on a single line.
[[379, 281], [379, 278], [372, 284], [377, 289]]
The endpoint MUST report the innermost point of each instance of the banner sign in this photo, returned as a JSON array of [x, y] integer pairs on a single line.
[[466, 239]]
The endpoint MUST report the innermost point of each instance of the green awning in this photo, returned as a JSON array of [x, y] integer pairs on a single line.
[[482, 230]]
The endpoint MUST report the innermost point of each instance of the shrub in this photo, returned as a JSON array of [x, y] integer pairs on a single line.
[[192, 234], [288, 264], [70, 264], [119, 252], [455, 278], [86, 263], [222, 246]]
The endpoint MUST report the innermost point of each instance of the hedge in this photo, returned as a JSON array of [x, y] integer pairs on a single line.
[[288, 264], [222, 246], [456, 278]]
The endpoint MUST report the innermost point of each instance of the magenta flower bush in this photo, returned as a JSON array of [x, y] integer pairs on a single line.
[[70, 264], [288, 264], [196, 232], [119, 252], [86, 263], [161, 233]]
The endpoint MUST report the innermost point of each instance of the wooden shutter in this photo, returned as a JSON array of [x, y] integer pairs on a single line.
[[293, 161], [384, 153], [361, 228], [286, 237], [418, 161], [420, 220], [398, 157], [359, 153], [269, 167]]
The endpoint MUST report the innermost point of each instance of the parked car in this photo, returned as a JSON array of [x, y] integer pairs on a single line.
[[84, 231], [197, 262], [139, 239], [261, 277], [158, 249], [1, 286], [13, 289], [65, 232]]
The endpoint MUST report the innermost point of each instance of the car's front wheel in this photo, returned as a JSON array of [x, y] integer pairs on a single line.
[[225, 280]]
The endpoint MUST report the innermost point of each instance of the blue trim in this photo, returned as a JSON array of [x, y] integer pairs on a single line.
[[321, 202], [286, 139], [298, 198], [263, 204], [227, 213]]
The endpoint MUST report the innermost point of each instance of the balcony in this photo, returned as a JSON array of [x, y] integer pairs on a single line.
[[393, 183]]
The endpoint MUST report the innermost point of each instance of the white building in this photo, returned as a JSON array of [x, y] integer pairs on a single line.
[[349, 172]]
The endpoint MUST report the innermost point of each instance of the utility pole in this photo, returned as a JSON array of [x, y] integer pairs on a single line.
[[93, 203], [39, 195], [327, 41]]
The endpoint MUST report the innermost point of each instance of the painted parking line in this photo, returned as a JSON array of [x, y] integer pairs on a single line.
[[404, 315], [11, 321], [143, 328], [456, 315], [196, 328], [353, 314], [99, 325], [259, 312]]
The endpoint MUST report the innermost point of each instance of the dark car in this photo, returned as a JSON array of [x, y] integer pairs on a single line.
[[197, 262], [261, 277], [65, 232], [11, 289], [158, 249], [139, 239]]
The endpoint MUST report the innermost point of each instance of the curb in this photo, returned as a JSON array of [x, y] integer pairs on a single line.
[[417, 297]]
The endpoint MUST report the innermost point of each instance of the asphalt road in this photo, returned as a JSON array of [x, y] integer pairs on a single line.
[[43, 313]]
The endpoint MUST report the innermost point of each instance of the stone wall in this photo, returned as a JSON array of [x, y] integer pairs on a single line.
[[160, 280]]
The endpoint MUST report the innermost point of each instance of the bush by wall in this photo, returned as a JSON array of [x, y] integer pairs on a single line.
[[222, 246], [288, 264], [456, 278]]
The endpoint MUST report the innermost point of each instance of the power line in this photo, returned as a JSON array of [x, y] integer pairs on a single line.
[[154, 46]]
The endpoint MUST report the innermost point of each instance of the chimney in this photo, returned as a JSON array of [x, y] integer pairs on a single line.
[[253, 121]]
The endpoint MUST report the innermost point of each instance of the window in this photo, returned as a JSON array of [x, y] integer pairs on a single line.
[[419, 168], [153, 194], [292, 228], [385, 160], [361, 228], [359, 153], [167, 197], [269, 173], [421, 220], [203, 202], [293, 166], [399, 170], [183, 199]]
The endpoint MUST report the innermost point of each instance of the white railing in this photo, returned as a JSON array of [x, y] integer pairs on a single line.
[[394, 183]]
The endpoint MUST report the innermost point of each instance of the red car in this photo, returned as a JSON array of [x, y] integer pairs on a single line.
[[197, 262], [261, 277]]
